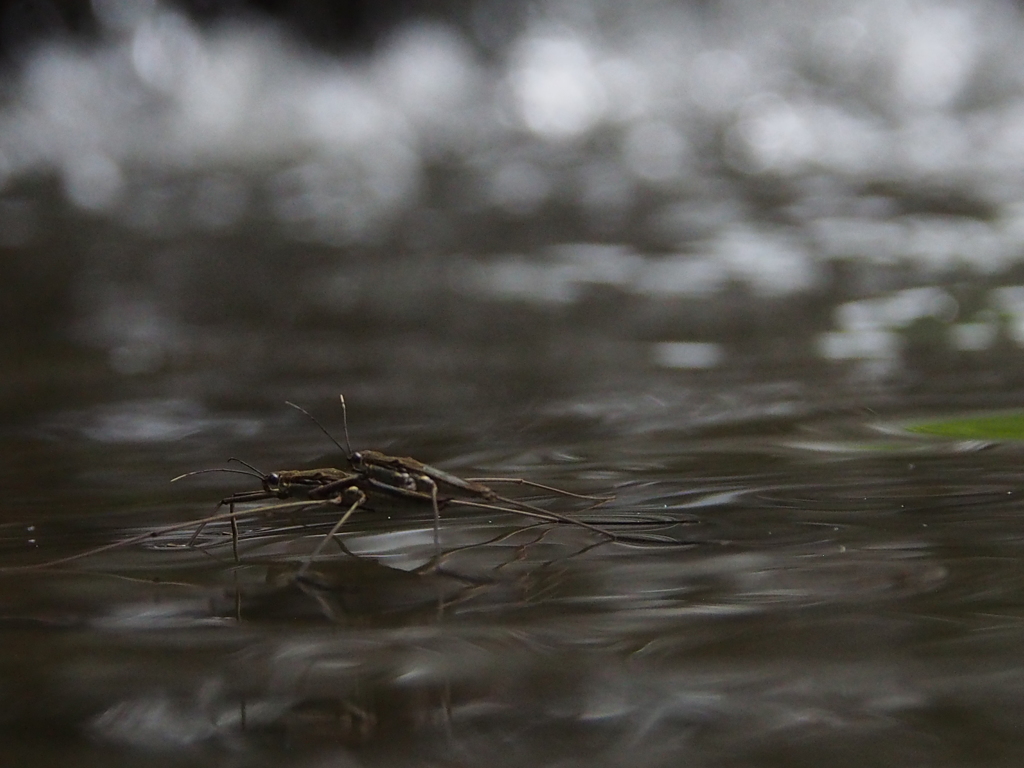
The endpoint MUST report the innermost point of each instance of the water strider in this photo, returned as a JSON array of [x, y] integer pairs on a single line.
[[372, 481], [372, 474]]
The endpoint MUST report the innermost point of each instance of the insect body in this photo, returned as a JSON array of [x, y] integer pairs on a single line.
[[374, 478], [371, 481], [414, 479], [408, 477], [316, 484], [385, 470]]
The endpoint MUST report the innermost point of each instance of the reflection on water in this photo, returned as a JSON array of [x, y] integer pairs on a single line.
[[710, 257], [833, 591]]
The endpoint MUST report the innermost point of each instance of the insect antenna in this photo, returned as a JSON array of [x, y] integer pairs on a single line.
[[246, 464], [344, 423], [257, 475], [323, 429]]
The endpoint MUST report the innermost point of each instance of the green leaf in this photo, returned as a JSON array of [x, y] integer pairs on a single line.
[[993, 426]]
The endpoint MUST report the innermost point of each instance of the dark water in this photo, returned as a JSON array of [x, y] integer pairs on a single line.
[[710, 258], [838, 591]]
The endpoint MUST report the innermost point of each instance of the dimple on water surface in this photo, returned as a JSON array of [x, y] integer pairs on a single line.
[[781, 596]]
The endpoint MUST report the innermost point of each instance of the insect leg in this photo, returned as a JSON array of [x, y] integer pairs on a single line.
[[360, 500], [234, 533], [527, 510], [330, 490], [230, 501], [412, 493], [234, 527], [429, 482], [149, 535], [532, 484]]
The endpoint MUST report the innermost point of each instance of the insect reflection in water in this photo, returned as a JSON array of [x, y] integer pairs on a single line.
[[372, 475], [371, 480]]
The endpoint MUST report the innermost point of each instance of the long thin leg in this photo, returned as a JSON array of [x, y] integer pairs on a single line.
[[521, 549], [437, 514], [234, 530], [495, 540], [551, 488], [520, 508], [148, 535], [360, 500], [237, 498], [522, 505], [234, 533]]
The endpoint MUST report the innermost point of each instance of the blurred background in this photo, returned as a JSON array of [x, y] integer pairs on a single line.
[[463, 204], [711, 256]]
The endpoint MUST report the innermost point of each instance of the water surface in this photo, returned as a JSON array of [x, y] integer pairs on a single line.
[[714, 259], [792, 591]]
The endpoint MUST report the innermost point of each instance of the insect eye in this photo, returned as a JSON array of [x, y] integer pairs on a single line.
[[274, 479], [356, 458]]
